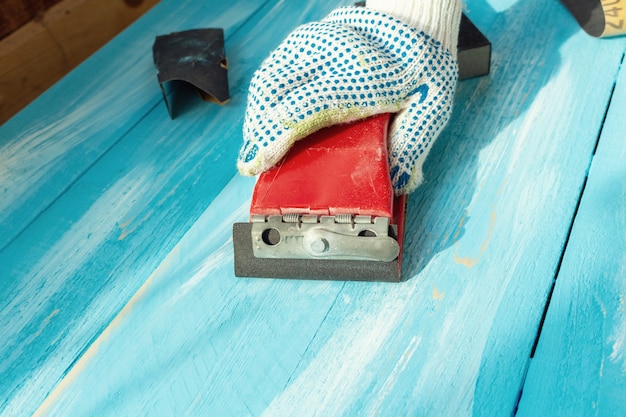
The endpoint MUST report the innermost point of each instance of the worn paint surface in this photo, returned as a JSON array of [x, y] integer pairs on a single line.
[[47, 147], [117, 288], [580, 364], [75, 181]]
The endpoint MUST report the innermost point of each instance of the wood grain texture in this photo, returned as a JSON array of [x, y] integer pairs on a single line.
[[580, 365], [49, 302], [452, 340], [45, 49], [46, 148], [14, 13], [121, 294]]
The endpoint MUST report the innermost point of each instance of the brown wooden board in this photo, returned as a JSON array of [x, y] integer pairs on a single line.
[[15, 13], [45, 49]]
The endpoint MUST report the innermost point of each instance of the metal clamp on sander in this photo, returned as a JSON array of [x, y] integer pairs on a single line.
[[324, 237]]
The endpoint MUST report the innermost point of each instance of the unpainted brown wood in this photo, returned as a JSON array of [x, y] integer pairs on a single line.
[[39, 53], [15, 13]]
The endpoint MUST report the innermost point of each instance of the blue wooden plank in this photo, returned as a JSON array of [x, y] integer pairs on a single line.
[[73, 268], [579, 368], [485, 235], [42, 295], [214, 357], [47, 146]]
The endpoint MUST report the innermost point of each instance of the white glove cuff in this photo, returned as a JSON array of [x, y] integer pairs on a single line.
[[437, 18]]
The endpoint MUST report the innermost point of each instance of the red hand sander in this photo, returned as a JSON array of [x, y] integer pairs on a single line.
[[326, 211]]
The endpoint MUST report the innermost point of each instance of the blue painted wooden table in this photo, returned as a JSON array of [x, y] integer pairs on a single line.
[[117, 293]]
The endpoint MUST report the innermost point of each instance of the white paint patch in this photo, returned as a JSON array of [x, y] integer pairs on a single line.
[[618, 338], [206, 233], [339, 372], [41, 152], [192, 245], [556, 93], [212, 262], [530, 199], [375, 408], [618, 353]]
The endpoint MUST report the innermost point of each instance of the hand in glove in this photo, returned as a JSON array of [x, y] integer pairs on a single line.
[[393, 56]]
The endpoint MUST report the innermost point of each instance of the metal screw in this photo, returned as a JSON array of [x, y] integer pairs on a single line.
[[319, 245]]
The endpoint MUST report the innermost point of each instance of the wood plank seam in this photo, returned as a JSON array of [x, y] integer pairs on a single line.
[[558, 267], [157, 101], [569, 234], [70, 371], [79, 176], [143, 95], [520, 392], [580, 366], [580, 197], [331, 322], [606, 113]]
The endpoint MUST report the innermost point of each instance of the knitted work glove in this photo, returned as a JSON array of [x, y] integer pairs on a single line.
[[353, 64]]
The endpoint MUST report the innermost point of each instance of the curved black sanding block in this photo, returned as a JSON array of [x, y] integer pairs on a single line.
[[195, 57]]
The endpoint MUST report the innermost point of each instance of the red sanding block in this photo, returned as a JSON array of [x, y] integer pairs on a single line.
[[326, 211]]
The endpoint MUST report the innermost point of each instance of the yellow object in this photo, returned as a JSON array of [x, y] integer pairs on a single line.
[[614, 17]]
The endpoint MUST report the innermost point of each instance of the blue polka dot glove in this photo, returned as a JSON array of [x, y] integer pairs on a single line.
[[353, 64]]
